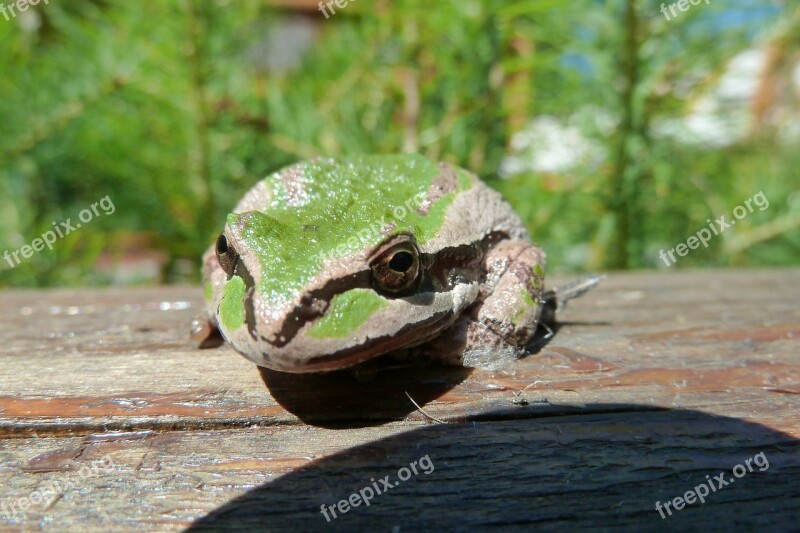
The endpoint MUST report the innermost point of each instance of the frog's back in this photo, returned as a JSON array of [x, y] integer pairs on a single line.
[[329, 200], [332, 185], [407, 191]]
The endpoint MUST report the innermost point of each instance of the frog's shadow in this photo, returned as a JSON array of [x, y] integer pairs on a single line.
[[374, 392], [367, 395]]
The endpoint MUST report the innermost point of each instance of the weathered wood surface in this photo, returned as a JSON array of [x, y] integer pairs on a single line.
[[653, 382]]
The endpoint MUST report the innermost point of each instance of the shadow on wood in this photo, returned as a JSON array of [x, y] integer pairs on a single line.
[[606, 469]]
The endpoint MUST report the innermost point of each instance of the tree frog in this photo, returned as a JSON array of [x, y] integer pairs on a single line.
[[334, 261]]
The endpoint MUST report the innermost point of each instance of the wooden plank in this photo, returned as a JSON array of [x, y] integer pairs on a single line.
[[653, 381], [561, 472], [81, 361]]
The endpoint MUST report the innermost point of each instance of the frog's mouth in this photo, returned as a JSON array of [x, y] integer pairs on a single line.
[[407, 337]]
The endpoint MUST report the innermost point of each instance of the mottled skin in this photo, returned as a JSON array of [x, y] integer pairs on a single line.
[[302, 296]]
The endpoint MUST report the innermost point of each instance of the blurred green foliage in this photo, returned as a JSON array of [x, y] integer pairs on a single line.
[[175, 108]]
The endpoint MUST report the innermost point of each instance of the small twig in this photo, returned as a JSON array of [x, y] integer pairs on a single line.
[[422, 411], [519, 396]]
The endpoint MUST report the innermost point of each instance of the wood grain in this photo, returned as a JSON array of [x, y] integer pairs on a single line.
[[652, 382]]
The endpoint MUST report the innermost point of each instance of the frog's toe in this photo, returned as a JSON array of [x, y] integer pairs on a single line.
[[206, 334]]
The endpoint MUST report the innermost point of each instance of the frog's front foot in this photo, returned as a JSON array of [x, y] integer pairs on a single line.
[[494, 331]]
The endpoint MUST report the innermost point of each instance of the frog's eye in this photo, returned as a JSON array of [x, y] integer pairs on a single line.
[[226, 255], [397, 270]]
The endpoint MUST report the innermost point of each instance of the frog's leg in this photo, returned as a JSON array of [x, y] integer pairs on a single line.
[[496, 328]]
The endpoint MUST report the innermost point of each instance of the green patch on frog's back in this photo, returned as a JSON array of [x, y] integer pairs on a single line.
[[343, 209], [346, 314], [231, 308]]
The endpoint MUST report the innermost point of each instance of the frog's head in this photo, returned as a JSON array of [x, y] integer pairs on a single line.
[[388, 297], [322, 286]]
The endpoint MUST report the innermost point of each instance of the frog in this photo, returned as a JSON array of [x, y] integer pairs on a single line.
[[334, 261]]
